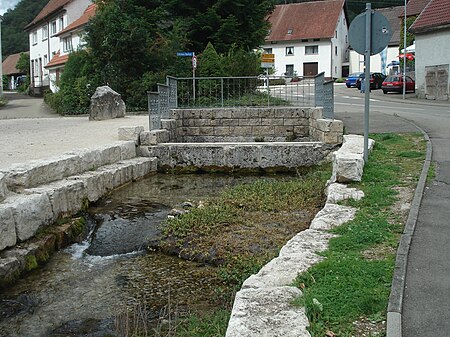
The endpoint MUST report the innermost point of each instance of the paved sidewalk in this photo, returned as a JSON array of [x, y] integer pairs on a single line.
[[29, 131]]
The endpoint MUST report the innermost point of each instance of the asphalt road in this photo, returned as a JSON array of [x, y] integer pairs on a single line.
[[426, 306]]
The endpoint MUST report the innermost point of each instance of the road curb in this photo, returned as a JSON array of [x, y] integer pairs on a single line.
[[395, 305]]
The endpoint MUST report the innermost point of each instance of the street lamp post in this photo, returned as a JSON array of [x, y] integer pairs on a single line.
[[1, 59]]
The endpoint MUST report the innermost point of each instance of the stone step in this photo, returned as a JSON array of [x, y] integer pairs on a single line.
[[39, 172], [22, 215]]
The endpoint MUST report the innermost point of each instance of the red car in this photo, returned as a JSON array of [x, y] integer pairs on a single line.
[[395, 83]]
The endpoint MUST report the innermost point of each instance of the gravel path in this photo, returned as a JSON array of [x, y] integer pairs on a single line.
[[29, 130]]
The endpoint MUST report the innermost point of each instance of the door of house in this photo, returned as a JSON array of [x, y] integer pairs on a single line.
[[436, 82], [310, 69]]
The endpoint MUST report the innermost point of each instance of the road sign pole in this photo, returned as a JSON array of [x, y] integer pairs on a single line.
[[193, 77], [367, 79]]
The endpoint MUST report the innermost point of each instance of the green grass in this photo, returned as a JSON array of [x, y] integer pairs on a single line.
[[355, 278]]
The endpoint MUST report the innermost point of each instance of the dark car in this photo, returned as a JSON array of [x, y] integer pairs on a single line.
[[376, 80], [395, 83], [350, 81]]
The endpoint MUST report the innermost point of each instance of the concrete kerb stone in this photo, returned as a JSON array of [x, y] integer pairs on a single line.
[[250, 317]]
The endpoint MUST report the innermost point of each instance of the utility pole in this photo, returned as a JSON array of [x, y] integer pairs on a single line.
[[404, 54]]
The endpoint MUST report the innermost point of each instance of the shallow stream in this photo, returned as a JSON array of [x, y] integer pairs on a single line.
[[84, 287]]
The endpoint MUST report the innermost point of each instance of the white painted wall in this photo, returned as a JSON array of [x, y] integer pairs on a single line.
[[341, 42], [432, 49], [357, 60], [42, 51]]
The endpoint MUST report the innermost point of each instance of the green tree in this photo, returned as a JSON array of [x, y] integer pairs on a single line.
[[223, 22], [23, 64], [14, 38]]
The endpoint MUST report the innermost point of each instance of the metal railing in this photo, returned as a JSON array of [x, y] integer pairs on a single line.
[[245, 91], [210, 92]]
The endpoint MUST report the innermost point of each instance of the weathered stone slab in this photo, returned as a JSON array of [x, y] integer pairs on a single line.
[[267, 313], [130, 133], [242, 156], [154, 137], [40, 172], [282, 270], [7, 227], [3, 187], [106, 104], [338, 192], [331, 216], [66, 196], [31, 212], [308, 240], [143, 166]]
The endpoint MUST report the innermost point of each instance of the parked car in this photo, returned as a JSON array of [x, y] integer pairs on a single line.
[[395, 83], [376, 80], [350, 81]]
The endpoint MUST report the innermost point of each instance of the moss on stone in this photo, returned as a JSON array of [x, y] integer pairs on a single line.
[[30, 262]]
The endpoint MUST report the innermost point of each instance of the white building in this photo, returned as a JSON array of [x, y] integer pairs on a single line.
[[309, 38], [432, 29], [44, 39]]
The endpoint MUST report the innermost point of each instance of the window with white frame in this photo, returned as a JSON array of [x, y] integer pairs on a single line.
[[61, 23], [45, 60], [67, 44], [289, 51], [44, 32], [53, 29], [268, 50], [36, 67], [335, 50], [34, 37], [312, 50]]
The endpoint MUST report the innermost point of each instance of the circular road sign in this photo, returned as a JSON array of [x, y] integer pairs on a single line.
[[381, 33]]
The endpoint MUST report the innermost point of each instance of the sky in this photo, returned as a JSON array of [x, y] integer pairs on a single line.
[[6, 4]]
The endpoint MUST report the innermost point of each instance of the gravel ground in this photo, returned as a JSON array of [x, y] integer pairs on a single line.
[[29, 130]]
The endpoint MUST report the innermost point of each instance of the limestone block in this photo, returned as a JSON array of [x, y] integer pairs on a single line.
[[130, 133], [241, 156], [66, 196], [168, 124], [96, 184], [206, 131], [11, 267], [110, 154], [347, 167], [106, 104], [222, 131], [143, 166], [267, 313], [161, 153], [332, 216], [89, 159], [329, 125], [308, 240], [266, 130], [40, 172], [266, 113], [7, 227], [3, 187], [197, 155], [338, 192], [355, 144], [331, 137], [229, 122], [282, 270], [154, 137], [127, 150], [31, 212]]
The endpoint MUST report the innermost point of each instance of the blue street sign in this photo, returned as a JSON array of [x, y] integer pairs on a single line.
[[186, 53]]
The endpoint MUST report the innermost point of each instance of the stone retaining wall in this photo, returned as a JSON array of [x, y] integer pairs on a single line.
[[276, 124], [36, 194]]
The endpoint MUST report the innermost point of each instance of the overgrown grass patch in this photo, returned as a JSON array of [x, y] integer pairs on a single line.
[[350, 283]]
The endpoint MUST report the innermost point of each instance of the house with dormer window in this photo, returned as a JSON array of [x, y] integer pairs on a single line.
[[44, 38], [308, 38]]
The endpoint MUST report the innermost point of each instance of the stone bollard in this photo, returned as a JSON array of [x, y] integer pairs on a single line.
[[106, 104]]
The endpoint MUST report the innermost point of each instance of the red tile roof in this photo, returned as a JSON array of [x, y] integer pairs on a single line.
[[392, 14], [436, 14], [9, 64], [307, 20], [414, 7], [57, 60], [82, 20], [50, 8]]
